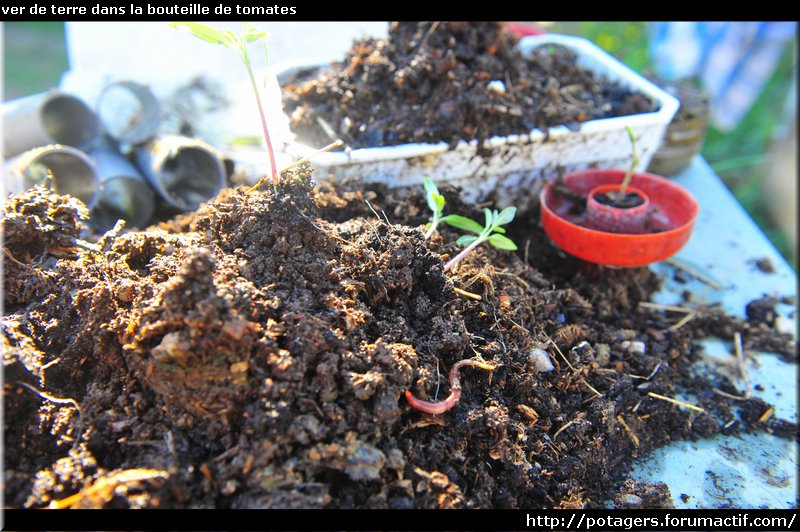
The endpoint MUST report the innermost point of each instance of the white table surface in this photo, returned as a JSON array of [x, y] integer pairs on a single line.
[[755, 470]]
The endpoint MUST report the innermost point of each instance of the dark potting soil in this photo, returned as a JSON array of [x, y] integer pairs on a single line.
[[445, 82], [629, 200], [256, 354]]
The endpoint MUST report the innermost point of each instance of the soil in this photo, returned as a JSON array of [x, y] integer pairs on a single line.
[[256, 353], [446, 82], [628, 200]]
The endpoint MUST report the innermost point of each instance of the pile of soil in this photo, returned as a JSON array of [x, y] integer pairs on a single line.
[[256, 354], [445, 82]]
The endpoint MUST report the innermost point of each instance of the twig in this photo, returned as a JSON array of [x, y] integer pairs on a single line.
[[630, 432], [597, 394], [652, 373], [766, 415], [464, 293], [10, 256], [728, 395], [559, 352], [141, 443], [326, 127], [559, 431], [227, 454], [671, 308], [430, 32], [737, 345], [103, 489], [690, 313], [686, 319], [697, 275], [675, 401]]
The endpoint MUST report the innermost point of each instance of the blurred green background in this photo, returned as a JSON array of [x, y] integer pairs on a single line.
[[34, 55]]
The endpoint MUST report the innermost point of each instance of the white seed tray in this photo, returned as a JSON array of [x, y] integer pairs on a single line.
[[518, 165]]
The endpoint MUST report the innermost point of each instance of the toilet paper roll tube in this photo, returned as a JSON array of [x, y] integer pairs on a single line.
[[123, 192], [128, 112], [185, 172], [44, 119], [65, 169]]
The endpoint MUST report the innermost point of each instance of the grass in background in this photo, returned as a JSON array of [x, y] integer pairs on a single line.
[[741, 156]]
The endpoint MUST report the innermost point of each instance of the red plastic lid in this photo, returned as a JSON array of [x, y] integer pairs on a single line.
[[673, 214], [523, 29]]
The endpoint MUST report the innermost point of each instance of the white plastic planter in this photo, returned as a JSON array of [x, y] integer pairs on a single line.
[[518, 164]]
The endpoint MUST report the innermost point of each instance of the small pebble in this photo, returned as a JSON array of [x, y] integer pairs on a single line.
[[540, 361], [497, 86], [784, 325], [635, 347], [629, 500]]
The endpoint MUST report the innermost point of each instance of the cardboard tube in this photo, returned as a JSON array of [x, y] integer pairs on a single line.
[[128, 112], [44, 119], [185, 172], [123, 192], [65, 169]]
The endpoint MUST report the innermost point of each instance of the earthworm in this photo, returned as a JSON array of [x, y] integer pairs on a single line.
[[455, 389]]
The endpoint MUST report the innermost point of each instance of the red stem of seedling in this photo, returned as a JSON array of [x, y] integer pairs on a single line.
[[455, 389], [466, 251], [273, 166]]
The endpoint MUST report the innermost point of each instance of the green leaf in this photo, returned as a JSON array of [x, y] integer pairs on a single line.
[[461, 222], [431, 199], [502, 242], [433, 204], [499, 229], [506, 216], [466, 240], [432, 195], [204, 32], [488, 215], [430, 186], [252, 35]]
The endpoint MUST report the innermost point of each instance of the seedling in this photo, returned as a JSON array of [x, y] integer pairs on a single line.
[[435, 203], [491, 232], [634, 161], [239, 44]]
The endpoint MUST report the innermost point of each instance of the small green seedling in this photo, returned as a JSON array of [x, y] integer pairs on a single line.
[[491, 232], [634, 161], [239, 44], [435, 203]]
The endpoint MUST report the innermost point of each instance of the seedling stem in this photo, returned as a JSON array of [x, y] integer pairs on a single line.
[[239, 44], [634, 162]]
